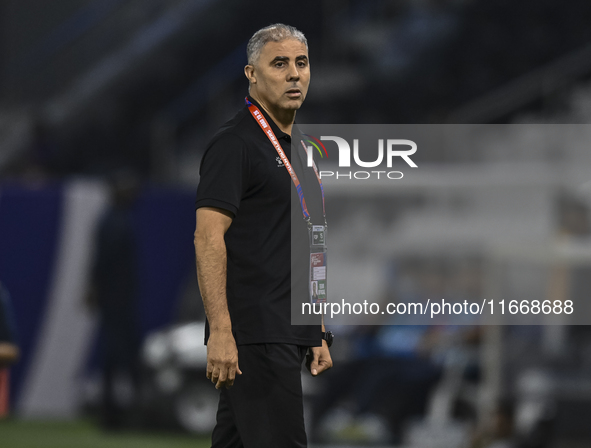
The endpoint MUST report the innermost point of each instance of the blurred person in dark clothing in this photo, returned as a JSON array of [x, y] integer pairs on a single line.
[[114, 294], [9, 351]]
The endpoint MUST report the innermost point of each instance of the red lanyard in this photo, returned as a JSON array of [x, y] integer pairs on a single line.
[[260, 119]]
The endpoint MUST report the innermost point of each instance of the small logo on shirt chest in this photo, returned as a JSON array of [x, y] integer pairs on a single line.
[[279, 162]]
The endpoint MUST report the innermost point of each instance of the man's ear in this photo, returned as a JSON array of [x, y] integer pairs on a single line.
[[249, 72]]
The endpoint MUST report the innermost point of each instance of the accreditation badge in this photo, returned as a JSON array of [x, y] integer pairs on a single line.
[[318, 264]]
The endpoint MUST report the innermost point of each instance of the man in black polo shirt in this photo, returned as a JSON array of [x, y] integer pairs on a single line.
[[244, 260]]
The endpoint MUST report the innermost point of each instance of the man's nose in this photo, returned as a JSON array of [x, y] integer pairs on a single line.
[[294, 73]]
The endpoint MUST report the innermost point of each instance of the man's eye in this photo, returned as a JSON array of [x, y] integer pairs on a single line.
[[279, 64]]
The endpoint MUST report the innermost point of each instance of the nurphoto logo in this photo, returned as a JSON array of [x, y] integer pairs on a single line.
[[394, 148]]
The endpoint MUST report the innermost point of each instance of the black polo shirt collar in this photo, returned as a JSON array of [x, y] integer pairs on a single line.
[[278, 132]]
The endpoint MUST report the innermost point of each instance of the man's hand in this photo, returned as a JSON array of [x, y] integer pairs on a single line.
[[318, 359], [222, 359]]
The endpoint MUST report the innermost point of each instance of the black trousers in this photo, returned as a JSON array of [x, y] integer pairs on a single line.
[[264, 408]]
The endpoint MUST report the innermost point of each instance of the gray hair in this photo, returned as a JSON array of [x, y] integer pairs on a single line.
[[272, 33]]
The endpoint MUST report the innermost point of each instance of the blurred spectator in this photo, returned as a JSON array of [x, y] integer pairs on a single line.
[[114, 294], [9, 352]]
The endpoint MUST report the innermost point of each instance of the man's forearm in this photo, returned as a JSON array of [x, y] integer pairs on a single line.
[[211, 273], [210, 250]]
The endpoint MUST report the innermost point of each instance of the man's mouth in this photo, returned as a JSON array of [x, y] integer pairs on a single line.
[[294, 93]]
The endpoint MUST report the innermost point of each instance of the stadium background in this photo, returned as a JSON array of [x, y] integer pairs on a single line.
[[92, 88]]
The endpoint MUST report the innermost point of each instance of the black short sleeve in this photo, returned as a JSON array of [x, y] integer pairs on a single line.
[[223, 174]]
